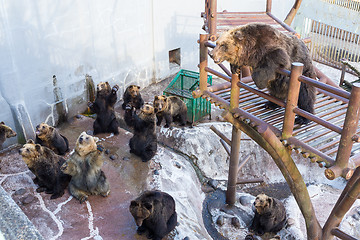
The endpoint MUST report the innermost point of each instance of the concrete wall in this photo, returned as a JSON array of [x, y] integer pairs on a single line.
[[123, 42]]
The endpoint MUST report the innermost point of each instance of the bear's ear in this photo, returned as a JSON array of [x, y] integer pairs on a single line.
[[148, 206], [156, 97], [38, 147], [138, 87], [30, 141], [134, 204], [270, 200], [51, 129], [238, 35], [2, 123]]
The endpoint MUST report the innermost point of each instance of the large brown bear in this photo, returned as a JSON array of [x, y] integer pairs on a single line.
[[5, 132], [171, 108], [45, 165], [133, 97], [103, 106], [144, 141], [270, 215], [265, 49], [154, 211], [84, 165], [50, 137]]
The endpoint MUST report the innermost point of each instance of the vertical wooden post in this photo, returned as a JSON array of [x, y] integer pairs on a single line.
[[212, 18], [235, 144], [203, 62], [349, 129], [268, 6], [292, 99]]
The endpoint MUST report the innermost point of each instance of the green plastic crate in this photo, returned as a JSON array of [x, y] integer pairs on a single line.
[[182, 86]]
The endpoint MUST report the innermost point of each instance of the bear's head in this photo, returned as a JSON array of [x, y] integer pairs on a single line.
[[30, 152], [6, 131], [44, 131], [103, 89], [160, 103], [263, 203], [85, 144], [141, 211], [70, 167], [133, 90]]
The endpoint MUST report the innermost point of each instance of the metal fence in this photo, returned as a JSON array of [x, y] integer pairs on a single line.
[[350, 4]]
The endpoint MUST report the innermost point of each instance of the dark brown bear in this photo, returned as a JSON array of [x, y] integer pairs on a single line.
[[5, 132], [270, 215], [132, 96], [103, 106], [144, 141], [154, 211], [45, 165], [51, 138], [171, 108], [84, 165], [265, 49]]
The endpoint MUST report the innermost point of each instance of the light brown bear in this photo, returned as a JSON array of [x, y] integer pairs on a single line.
[[132, 96], [45, 165], [270, 215], [172, 108], [154, 211], [5, 132], [265, 49], [84, 165], [50, 137]]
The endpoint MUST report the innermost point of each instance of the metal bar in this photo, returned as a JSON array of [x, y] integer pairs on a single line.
[[221, 65], [268, 6], [255, 180], [292, 99], [281, 23], [216, 73], [344, 202], [203, 62], [221, 135], [223, 143], [242, 164], [212, 20], [349, 128], [340, 234]]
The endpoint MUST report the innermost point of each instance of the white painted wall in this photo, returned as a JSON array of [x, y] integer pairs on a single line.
[[123, 42]]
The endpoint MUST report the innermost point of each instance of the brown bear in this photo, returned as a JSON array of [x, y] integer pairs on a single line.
[[132, 95], [5, 132], [103, 106], [45, 165], [270, 215], [265, 49], [172, 108], [154, 211], [144, 141], [84, 165], [50, 137]]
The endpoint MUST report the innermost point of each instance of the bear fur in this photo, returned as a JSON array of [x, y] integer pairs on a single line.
[[132, 96], [103, 106], [84, 165], [5, 132], [144, 141], [171, 108], [265, 49], [154, 211], [50, 137], [45, 165], [270, 215]]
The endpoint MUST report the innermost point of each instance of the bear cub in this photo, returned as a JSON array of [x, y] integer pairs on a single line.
[[171, 108], [84, 165], [154, 211], [5, 132], [265, 49], [144, 141], [50, 137], [103, 106], [133, 97], [45, 165], [270, 215]]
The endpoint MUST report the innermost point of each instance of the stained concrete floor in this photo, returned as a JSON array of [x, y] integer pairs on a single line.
[[65, 217]]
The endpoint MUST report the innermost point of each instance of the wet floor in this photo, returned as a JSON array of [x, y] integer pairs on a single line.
[[65, 217]]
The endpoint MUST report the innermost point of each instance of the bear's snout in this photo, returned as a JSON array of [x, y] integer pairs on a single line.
[[216, 57], [81, 140]]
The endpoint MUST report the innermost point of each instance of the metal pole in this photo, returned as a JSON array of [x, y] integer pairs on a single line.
[[212, 19], [268, 6], [349, 129], [203, 62], [292, 99]]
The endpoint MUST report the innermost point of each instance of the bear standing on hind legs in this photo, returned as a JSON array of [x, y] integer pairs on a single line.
[[50, 137], [265, 49], [5, 132], [171, 108], [103, 106], [144, 141], [132, 95], [154, 211]]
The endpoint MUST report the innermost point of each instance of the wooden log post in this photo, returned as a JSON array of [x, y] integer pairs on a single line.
[[203, 62], [347, 133]]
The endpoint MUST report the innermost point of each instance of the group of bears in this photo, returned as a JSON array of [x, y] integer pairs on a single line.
[[259, 46]]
